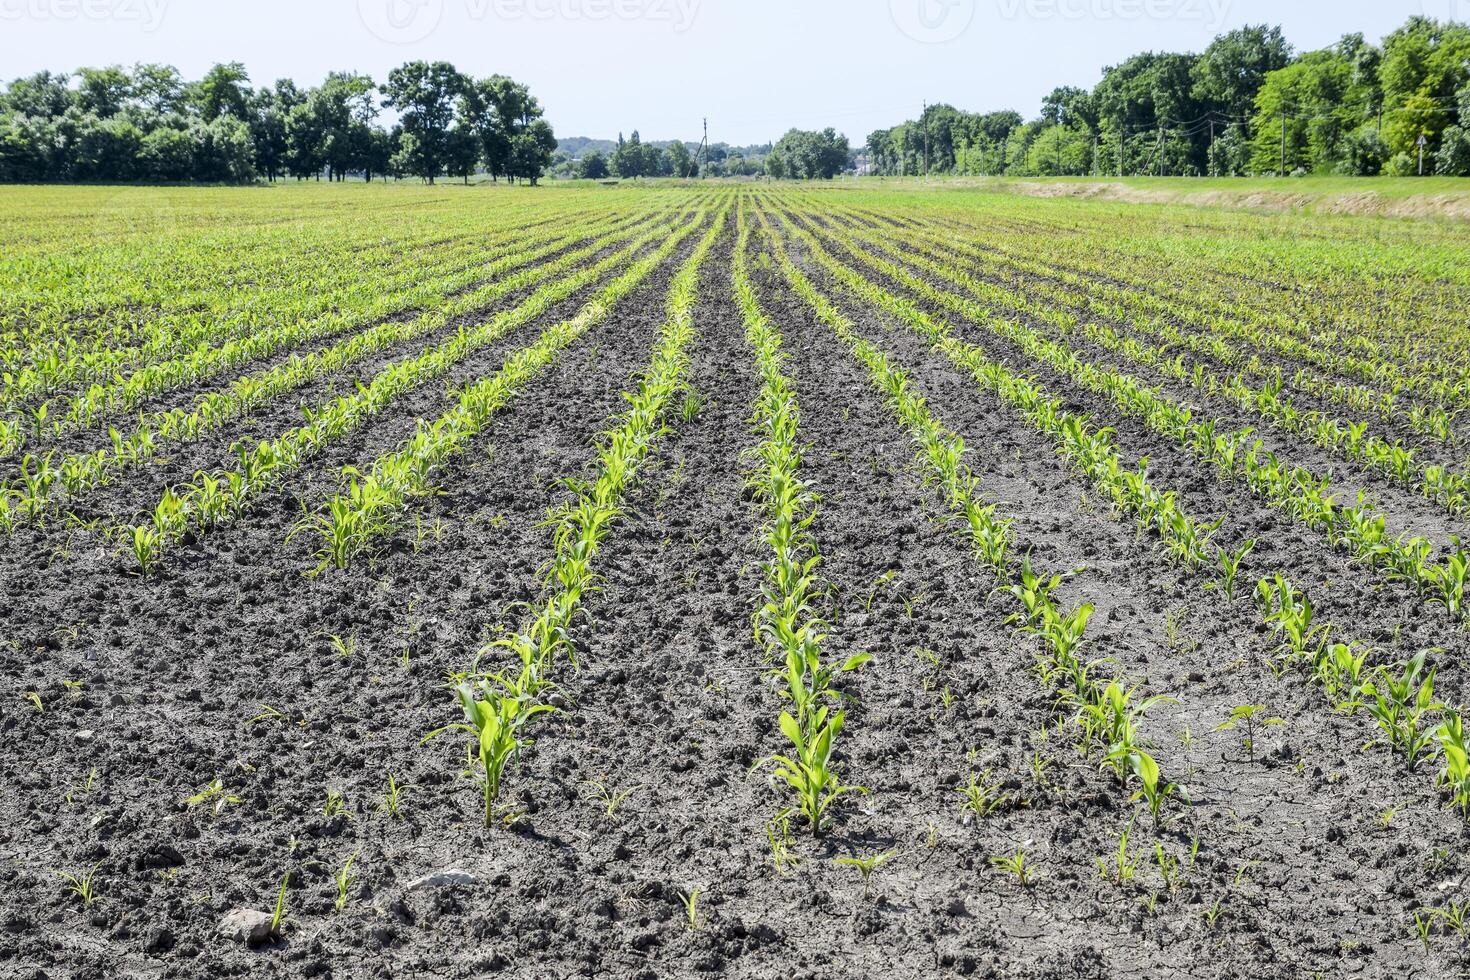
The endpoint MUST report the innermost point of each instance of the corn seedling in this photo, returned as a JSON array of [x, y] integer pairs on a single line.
[[336, 805], [778, 836], [496, 712], [608, 800], [1015, 865], [691, 909], [278, 915], [393, 799], [866, 866], [1120, 868], [1402, 702], [81, 884], [344, 880], [981, 798], [215, 796], [1423, 926]]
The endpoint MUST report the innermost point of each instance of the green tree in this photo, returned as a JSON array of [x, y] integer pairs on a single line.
[[158, 88], [593, 166], [811, 155], [628, 160], [103, 92], [531, 150], [681, 161], [43, 95], [424, 95], [1235, 65], [222, 92], [463, 153]]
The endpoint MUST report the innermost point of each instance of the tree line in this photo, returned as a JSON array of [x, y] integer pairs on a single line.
[[1247, 105], [147, 123]]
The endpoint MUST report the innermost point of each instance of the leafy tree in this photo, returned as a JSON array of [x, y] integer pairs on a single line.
[[680, 160], [531, 150], [811, 155], [43, 95], [167, 154], [463, 152], [628, 160], [270, 111], [593, 166], [424, 94], [107, 149], [158, 88], [103, 92], [222, 150], [1071, 107], [222, 92], [1235, 65], [1424, 65]]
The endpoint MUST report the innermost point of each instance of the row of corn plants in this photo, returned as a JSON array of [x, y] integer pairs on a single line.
[[1235, 337], [787, 626], [500, 704], [1395, 304], [373, 503], [1398, 697], [99, 402], [78, 473], [211, 310], [214, 499], [202, 289], [1237, 455], [1350, 440], [1107, 712]]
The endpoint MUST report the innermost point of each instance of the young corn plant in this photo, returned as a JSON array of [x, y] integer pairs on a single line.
[[1455, 776], [809, 769], [496, 715], [1402, 703]]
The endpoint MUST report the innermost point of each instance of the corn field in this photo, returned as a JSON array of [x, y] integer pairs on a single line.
[[730, 579]]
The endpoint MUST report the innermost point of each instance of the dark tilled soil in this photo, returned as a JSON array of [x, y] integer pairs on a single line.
[[648, 786]]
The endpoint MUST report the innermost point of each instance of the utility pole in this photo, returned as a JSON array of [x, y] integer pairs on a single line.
[[704, 148], [1283, 139], [925, 116], [1161, 151], [1421, 141], [1211, 152]]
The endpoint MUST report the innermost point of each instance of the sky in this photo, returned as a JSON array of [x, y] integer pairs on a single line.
[[754, 68]]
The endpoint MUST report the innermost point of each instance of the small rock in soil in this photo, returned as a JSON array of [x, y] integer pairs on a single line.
[[246, 926], [448, 878]]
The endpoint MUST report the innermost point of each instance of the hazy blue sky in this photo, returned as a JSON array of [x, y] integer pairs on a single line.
[[755, 67]]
